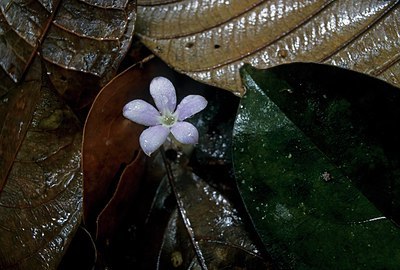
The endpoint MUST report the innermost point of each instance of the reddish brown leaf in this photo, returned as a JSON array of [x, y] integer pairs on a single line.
[[40, 203], [110, 140], [118, 208]]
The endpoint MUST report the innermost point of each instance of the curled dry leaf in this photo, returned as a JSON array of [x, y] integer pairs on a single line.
[[41, 193], [89, 37], [211, 40]]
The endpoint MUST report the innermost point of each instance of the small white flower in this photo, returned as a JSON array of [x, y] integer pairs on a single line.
[[164, 119]]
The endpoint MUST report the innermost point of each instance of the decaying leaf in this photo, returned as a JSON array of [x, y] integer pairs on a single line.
[[89, 37], [211, 40], [41, 192]]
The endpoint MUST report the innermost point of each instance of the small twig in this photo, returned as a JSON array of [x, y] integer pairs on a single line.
[[145, 60], [182, 212]]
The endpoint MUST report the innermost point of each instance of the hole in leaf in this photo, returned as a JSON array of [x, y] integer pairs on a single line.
[[189, 45], [217, 46]]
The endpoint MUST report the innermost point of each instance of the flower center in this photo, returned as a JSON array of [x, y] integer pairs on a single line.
[[168, 119]]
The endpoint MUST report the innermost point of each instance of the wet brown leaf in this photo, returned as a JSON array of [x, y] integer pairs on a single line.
[[41, 195], [219, 230], [17, 105], [210, 41], [89, 37]]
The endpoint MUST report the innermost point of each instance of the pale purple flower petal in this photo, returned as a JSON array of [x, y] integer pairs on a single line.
[[141, 112], [152, 138], [163, 93], [189, 106], [163, 118], [185, 133]]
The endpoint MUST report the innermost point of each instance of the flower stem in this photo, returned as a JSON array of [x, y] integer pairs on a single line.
[[182, 211]]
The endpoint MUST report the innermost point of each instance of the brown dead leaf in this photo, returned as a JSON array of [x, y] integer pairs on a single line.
[[210, 41], [89, 37], [41, 195]]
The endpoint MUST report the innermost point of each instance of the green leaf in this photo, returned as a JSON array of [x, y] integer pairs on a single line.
[[315, 156]]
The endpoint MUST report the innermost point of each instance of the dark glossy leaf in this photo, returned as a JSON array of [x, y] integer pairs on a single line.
[[211, 40], [215, 125], [41, 195], [317, 163]]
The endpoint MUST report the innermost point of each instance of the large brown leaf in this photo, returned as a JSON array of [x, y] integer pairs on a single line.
[[75, 38], [40, 185], [211, 40]]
